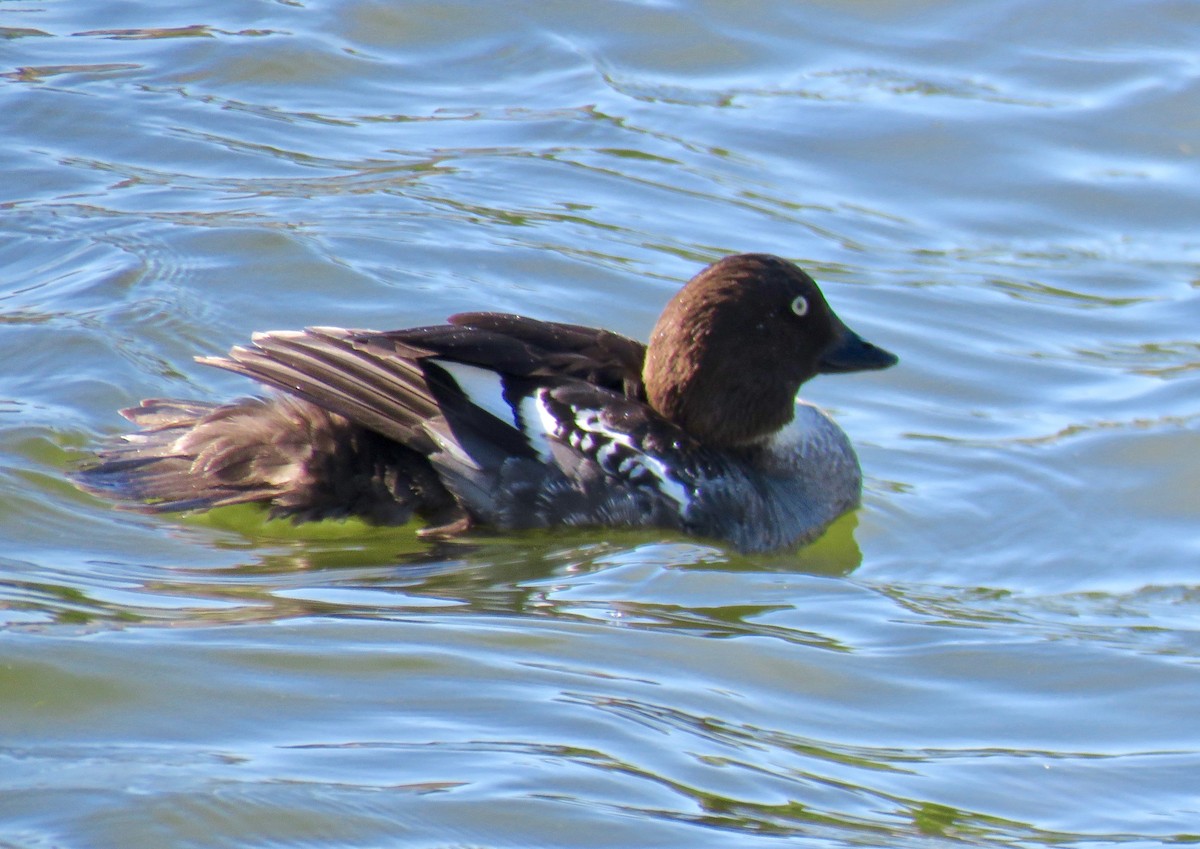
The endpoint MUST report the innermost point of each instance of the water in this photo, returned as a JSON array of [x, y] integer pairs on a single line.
[[998, 649]]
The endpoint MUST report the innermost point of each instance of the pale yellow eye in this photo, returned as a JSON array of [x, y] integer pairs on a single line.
[[800, 305]]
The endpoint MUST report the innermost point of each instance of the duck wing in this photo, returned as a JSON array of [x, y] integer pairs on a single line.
[[525, 347]]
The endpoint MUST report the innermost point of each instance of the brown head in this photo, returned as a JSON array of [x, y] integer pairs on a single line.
[[732, 348]]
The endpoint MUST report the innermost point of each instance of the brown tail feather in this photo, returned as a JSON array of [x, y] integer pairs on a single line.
[[301, 460]]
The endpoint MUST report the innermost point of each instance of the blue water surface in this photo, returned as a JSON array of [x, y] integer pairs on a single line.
[[999, 648]]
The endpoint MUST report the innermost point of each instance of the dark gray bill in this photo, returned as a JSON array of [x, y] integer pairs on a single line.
[[850, 352]]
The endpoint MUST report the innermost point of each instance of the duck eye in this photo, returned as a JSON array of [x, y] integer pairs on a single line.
[[800, 305]]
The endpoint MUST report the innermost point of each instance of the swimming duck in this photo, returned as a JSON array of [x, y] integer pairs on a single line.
[[510, 422]]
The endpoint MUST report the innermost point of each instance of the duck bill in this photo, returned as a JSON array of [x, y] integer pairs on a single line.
[[850, 352]]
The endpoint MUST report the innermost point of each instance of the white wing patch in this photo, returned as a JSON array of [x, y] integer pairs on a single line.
[[482, 386], [613, 451], [485, 389], [533, 414]]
